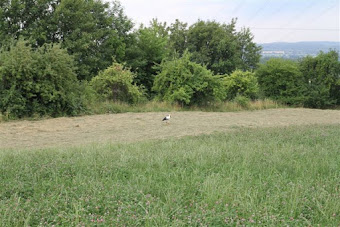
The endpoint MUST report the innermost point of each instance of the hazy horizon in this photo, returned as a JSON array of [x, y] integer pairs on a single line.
[[319, 41], [268, 20]]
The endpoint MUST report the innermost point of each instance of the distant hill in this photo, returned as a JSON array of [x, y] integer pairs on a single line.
[[298, 49]]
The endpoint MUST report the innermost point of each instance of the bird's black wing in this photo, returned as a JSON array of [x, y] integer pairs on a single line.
[[164, 119]]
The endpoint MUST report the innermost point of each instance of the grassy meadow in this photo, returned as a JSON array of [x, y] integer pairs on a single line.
[[270, 177]]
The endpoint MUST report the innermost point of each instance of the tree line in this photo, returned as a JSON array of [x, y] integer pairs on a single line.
[[58, 55]]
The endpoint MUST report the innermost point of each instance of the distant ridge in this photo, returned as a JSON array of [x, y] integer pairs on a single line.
[[297, 49]]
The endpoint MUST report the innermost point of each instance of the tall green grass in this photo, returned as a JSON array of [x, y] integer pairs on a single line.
[[270, 177], [156, 106], [104, 107]]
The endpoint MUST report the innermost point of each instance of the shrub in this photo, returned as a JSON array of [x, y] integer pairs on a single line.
[[241, 83], [321, 77], [242, 101], [38, 81], [185, 82], [116, 84], [281, 80]]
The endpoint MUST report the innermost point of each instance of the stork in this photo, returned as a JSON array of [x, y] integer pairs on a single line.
[[167, 118]]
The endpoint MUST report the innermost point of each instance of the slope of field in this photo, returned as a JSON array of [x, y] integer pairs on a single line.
[[129, 127]]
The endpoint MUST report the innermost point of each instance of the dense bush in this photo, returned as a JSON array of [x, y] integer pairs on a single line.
[[185, 82], [311, 82], [116, 83], [38, 81], [241, 83], [322, 79], [242, 101], [281, 80]]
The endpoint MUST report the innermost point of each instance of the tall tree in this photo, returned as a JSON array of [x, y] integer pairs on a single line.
[[148, 50], [178, 37], [213, 45], [91, 30], [27, 19], [248, 51], [221, 48]]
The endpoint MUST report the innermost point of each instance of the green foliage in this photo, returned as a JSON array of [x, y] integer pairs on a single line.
[[281, 80], [26, 19], [116, 83], [185, 82], [248, 52], [95, 34], [38, 81], [221, 48], [147, 51], [214, 45], [91, 31], [312, 82], [241, 83], [322, 79], [242, 101], [178, 37]]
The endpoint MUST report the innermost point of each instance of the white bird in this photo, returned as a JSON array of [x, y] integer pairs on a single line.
[[167, 118]]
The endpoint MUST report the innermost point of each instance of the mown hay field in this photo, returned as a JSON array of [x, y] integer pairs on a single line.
[[130, 127]]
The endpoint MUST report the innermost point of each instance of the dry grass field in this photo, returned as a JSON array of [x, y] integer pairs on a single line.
[[129, 127]]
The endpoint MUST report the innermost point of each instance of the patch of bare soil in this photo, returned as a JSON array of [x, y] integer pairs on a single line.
[[128, 127]]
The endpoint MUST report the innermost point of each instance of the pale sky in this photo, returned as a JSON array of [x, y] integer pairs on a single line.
[[268, 20]]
